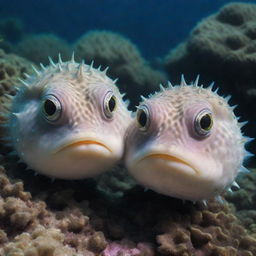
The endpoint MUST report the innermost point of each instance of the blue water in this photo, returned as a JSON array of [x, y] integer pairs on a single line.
[[154, 26]]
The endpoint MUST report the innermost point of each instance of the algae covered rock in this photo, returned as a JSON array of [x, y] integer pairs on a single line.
[[55, 218], [244, 200], [221, 46], [211, 231], [37, 48], [12, 67]]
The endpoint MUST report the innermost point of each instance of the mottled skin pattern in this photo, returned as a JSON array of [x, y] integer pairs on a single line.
[[83, 141], [171, 158]]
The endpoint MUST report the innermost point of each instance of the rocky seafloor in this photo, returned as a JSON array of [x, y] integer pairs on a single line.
[[79, 218], [112, 215]]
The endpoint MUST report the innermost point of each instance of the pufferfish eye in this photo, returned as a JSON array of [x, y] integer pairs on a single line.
[[51, 108], [203, 122], [143, 118], [109, 104]]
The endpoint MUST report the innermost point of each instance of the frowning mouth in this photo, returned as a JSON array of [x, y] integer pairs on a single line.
[[82, 143], [171, 159]]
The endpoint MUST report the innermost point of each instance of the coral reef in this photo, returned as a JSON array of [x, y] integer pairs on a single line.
[[37, 48], [222, 48], [47, 242], [219, 47], [107, 48], [28, 227], [12, 67], [208, 233], [125, 62], [127, 248], [245, 197], [244, 201], [6, 46], [73, 217], [110, 216]]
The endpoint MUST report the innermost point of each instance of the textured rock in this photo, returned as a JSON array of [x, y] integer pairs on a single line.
[[11, 29], [12, 67], [220, 46], [245, 197], [244, 201], [37, 48], [107, 48]]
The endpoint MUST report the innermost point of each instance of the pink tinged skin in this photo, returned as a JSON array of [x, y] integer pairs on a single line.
[[174, 156]]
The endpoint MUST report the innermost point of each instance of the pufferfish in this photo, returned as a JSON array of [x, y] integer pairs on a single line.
[[68, 121], [185, 142]]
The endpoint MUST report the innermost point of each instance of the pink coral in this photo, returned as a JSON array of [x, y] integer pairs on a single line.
[[125, 248]]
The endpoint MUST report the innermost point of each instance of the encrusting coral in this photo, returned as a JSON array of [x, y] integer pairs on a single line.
[[83, 109], [124, 60], [37, 48], [11, 29], [244, 201], [12, 67], [74, 218]]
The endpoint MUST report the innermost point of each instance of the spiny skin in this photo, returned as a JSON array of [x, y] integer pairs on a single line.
[[83, 141], [171, 157]]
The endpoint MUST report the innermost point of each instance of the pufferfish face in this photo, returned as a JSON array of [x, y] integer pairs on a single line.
[[185, 142], [69, 121]]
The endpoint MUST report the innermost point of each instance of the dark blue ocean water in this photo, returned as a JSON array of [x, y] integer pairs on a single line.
[[154, 26]]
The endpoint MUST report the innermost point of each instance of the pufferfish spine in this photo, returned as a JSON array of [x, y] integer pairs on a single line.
[[67, 121]]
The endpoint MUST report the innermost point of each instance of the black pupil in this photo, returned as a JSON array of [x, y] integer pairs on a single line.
[[49, 107], [112, 104], [142, 118], [205, 122]]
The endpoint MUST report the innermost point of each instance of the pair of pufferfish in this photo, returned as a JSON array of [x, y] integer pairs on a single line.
[[69, 121]]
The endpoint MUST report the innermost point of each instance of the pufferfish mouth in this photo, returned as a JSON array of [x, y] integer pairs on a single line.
[[83, 143], [170, 158]]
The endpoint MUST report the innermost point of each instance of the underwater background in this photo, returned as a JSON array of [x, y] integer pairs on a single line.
[[144, 43], [154, 26]]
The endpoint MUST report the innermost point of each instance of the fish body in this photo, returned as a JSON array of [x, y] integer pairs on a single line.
[[68, 121], [185, 142]]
